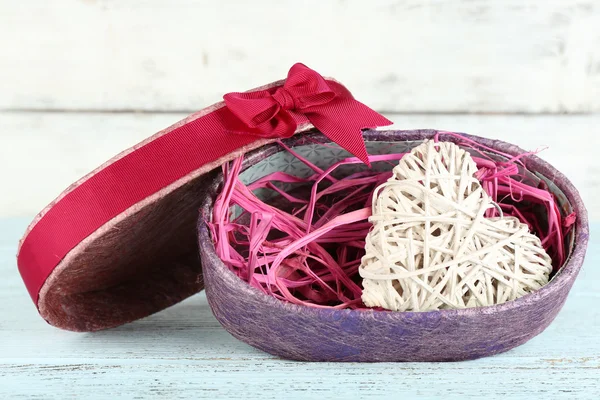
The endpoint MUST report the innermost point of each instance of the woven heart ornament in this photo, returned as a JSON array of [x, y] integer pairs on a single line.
[[431, 247]]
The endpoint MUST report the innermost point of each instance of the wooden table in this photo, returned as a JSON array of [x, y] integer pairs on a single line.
[[183, 353]]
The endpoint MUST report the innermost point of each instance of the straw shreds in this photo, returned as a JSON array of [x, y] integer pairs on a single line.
[[304, 245]]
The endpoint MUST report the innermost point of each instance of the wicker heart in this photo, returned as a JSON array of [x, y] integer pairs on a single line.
[[431, 246]]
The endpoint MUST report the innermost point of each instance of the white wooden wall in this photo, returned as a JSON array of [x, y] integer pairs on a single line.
[[82, 79], [407, 56]]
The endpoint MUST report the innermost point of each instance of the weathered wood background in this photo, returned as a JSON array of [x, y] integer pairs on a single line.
[[523, 56], [81, 80]]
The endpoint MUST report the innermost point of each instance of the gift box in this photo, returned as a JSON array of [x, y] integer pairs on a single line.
[[317, 334], [132, 237]]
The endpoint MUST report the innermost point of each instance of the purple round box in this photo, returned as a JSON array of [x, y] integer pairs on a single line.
[[314, 334]]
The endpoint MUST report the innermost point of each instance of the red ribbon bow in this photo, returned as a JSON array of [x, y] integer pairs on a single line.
[[332, 110]]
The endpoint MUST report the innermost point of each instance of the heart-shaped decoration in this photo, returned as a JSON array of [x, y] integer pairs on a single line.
[[431, 247]]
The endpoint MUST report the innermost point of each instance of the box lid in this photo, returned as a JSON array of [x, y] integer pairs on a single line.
[[120, 243]]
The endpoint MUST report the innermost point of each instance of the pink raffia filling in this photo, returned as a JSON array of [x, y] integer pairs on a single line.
[[307, 249]]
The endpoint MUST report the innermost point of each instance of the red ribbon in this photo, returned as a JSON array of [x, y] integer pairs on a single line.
[[337, 115], [273, 113]]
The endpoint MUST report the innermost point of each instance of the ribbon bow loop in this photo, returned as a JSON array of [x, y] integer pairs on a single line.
[[252, 108], [307, 87]]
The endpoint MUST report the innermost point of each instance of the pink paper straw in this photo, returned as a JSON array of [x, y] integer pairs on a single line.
[[307, 250]]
